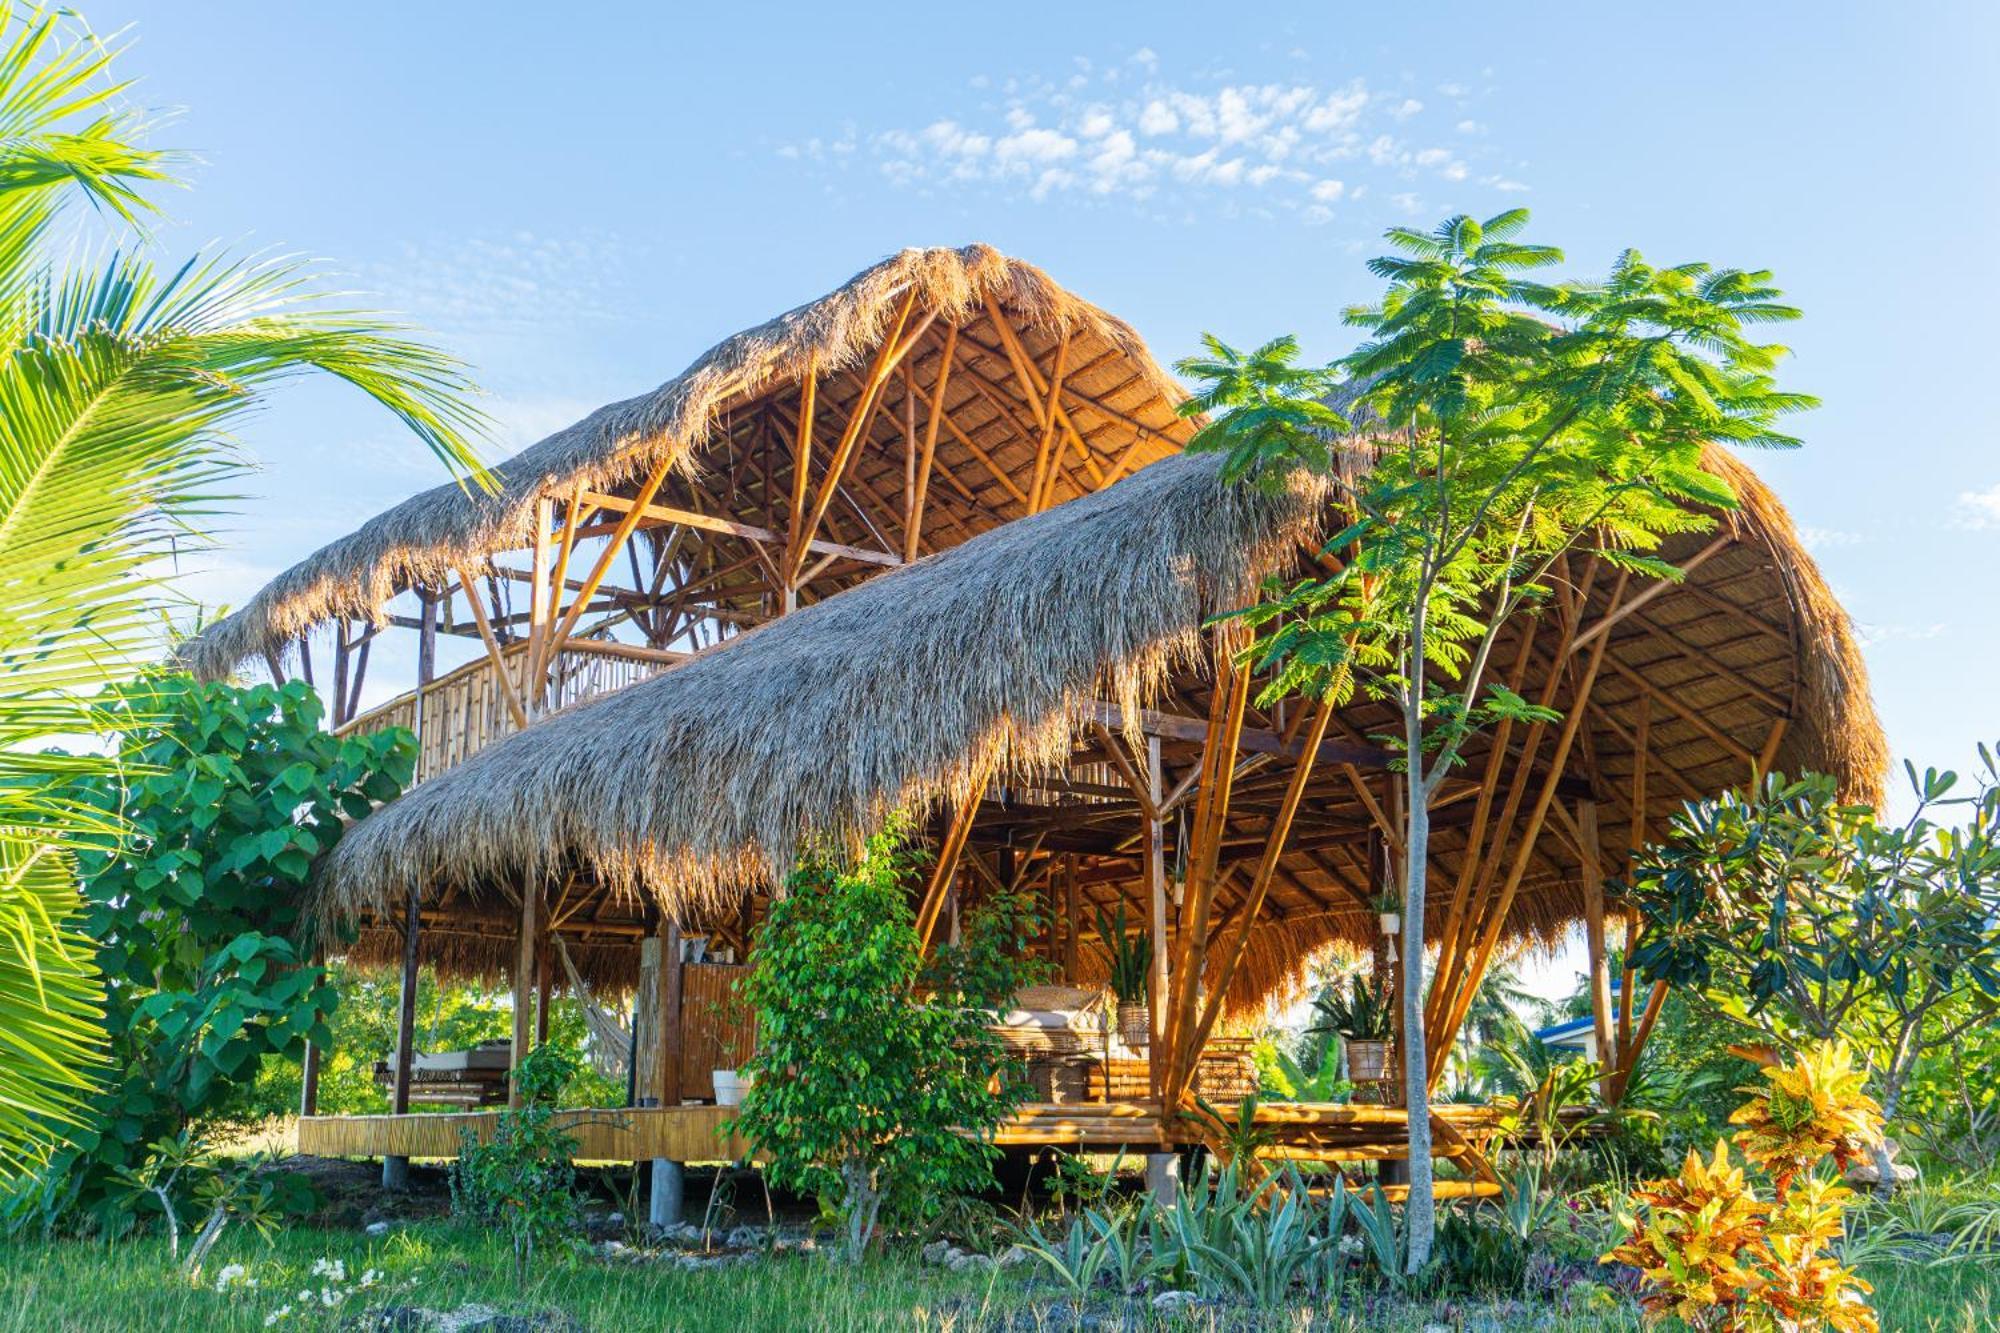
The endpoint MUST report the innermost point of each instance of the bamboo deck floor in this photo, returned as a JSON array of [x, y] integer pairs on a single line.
[[1300, 1131]]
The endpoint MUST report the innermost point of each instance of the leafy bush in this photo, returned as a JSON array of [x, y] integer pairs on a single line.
[[224, 796], [524, 1180], [866, 1089], [1801, 918], [1717, 1256]]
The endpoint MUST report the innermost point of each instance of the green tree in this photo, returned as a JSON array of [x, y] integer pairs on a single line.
[[224, 798], [1503, 424], [1799, 918], [118, 386], [868, 1087]]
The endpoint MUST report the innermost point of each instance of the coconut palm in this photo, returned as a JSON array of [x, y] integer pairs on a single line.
[[118, 385]]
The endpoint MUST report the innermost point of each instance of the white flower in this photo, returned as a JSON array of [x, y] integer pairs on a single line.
[[233, 1275], [283, 1312], [370, 1278]]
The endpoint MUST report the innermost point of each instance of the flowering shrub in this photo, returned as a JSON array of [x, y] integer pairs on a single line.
[[1718, 1257], [328, 1292]]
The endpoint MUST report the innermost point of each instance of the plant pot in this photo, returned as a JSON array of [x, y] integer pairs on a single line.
[[729, 1088], [1135, 1025], [1392, 923], [1367, 1061]]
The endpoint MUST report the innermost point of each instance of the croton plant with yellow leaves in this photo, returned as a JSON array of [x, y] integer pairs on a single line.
[[1722, 1259]]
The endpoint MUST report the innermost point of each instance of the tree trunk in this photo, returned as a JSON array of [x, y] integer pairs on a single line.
[[1421, 1210]]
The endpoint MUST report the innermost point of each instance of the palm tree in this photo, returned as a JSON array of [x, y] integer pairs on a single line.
[[118, 385]]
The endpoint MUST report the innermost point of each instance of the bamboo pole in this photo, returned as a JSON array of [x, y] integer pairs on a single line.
[[915, 533], [524, 988]]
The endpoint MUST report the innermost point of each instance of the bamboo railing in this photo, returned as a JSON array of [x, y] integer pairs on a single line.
[[464, 710]]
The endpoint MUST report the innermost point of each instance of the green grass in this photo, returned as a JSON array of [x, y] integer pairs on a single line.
[[88, 1287]]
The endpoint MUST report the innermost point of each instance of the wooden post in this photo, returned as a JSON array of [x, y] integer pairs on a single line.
[[547, 988], [667, 1080], [524, 986], [1156, 915], [664, 1209], [339, 710], [534, 684], [1593, 927], [396, 1170], [1072, 916], [309, 1063]]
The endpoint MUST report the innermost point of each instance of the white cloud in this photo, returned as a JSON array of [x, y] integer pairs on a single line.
[[1825, 539], [1978, 509], [1126, 129]]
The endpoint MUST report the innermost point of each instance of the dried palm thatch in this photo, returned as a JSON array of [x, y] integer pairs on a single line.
[[891, 695], [819, 724], [420, 542]]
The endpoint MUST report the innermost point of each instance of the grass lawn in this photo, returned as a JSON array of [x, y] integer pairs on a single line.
[[76, 1286]]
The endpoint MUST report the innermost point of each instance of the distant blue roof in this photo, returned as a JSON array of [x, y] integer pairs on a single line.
[[1556, 1034]]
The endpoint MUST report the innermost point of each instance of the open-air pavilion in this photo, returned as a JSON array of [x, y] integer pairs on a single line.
[[928, 544]]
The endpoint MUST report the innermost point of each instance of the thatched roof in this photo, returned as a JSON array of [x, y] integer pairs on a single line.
[[711, 777], [1121, 404], [822, 722]]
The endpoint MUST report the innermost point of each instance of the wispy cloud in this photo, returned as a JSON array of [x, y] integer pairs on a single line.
[[1826, 539], [1128, 131], [492, 281], [1874, 634], [1978, 509]]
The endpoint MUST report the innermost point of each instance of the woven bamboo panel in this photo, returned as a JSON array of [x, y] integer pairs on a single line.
[[718, 1031], [1226, 1072], [677, 1133]]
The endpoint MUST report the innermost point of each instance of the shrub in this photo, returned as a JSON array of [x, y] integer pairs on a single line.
[[524, 1180], [875, 1079], [1717, 1256], [223, 798]]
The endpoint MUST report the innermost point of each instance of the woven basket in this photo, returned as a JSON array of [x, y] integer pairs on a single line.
[[1059, 1081], [1028, 1043], [1135, 1025], [1367, 1061]]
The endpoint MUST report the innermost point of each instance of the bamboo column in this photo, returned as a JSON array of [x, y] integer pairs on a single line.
[[524, 987], [396, 1170], [1593, 929], [1156, 916], [1072, 917]]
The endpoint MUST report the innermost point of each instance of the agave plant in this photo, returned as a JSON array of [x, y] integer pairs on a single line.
[[118, 387], [1128, 953]]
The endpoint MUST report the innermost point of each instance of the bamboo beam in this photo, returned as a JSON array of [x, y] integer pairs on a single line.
[[929, 458], [1645, 595], [939, 886], [891, 352], [1524, 852], [619, 536], [1044, 482], [503, 680], [749, 531], [1260, 885]]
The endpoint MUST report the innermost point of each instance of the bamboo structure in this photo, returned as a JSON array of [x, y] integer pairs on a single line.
[[929, 545]]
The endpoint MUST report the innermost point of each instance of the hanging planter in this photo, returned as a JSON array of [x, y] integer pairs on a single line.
[[1392, 923], [1135, 1025], [1367, 1059]]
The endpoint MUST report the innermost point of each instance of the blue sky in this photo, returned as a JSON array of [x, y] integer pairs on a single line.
[[579, 202]]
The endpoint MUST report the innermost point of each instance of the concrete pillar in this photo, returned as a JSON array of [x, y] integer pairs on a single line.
[[1163, 1177], [669, 1188]]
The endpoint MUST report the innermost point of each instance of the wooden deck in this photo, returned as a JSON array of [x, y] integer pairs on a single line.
[[1300, 1130]]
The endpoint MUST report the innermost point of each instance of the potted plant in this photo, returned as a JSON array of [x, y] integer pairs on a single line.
[[1364, 1020], [1389, 911], [1130, 958]]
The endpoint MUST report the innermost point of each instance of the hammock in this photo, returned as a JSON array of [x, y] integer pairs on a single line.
[[610, 1039]]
